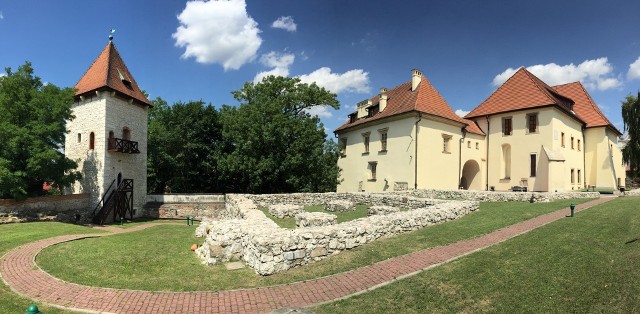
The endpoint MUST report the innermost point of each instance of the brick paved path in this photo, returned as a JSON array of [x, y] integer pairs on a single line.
[[18, 270]]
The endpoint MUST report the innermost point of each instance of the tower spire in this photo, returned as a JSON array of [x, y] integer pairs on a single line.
[[111, 34]]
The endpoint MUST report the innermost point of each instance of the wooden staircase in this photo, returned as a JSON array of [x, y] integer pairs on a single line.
[[117, 201]]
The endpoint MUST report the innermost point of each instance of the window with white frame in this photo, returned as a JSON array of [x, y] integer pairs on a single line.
[[373, 168], [383, 139], [446, 143], [365, 140]]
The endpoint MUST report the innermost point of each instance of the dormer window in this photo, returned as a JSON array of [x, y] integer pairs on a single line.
[[353, 117], [373, 110], [125, 80]]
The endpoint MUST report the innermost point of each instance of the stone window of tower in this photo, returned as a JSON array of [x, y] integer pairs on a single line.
[[112, 141], [92, 140], [126, 134], [79, 137]]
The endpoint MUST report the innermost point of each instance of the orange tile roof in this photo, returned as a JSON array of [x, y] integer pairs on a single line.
[[108, 71], [584, 106], [522, 90], [424, 99]]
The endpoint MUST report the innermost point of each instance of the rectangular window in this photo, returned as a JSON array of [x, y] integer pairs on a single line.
[[79, 137], [532, 122], [383, 140], [572, 143], [533, 164], [352, 118], [445, 143], [507, 127], [477, 145], [579, 176], [578, 144], [468, 144], [562, 139], [373, 169], [365, 141], [573, 180], [373, 110], [343, 147]]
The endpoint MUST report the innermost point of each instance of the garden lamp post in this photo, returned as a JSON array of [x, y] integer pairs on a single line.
[[572, 206]]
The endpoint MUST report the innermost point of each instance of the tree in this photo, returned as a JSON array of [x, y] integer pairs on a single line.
[[631, 118], [272, 145], [33, 119], [183, 145]]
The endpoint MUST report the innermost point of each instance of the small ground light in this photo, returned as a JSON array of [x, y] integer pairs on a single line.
[[572, 206], [33, 309]]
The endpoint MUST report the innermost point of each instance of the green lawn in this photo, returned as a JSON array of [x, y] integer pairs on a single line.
[[14, 235], [159, 258], [586, 264], [290, 222]]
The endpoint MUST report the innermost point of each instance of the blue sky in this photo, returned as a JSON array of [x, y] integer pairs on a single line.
[[201, 50]]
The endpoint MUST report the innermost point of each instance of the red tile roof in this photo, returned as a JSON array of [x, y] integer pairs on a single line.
[[584, 106], [522, 90], [424, 99], [108, 71]]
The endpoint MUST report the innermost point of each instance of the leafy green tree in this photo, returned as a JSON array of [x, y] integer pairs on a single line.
[[32, 131], [631, 118], [272, 145], [183, 147]]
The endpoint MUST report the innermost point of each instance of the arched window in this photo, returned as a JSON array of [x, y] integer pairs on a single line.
[[92, 140], [506, 161], [126, 134]]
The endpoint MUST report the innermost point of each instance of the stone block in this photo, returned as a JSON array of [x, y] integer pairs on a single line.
[[315, 219], [340, 206], [284, 210], [382, 210]]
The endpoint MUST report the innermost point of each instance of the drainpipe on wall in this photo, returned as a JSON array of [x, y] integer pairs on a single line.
[[464, 135], [487, 152], [415, 155], [584, 159]]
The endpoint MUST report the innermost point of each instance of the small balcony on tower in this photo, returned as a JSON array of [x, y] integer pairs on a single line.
[[123, 146]]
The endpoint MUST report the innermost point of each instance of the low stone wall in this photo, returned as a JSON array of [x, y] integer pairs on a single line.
[[532, 197], [178, 206], [635, 192], [63, 208], [185, 198], [247, 234]]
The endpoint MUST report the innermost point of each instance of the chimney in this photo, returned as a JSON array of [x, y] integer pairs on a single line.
[[416, 77], [383, 99]]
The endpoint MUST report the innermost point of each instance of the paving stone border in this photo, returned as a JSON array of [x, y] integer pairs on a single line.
[[247, 234]]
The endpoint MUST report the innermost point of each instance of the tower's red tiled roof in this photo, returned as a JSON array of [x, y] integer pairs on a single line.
[[424, 99], [584, 106], [522, 90], [108, 71]]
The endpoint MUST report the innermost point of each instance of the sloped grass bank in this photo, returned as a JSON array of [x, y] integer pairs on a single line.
[[159, 258], [586, 264]]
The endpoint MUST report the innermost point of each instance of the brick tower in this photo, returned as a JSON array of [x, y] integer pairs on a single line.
[[108, 137]]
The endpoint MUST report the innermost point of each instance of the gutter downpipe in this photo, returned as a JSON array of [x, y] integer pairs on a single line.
[[464, 135], [415, 171], [584, 158], [487, 153]]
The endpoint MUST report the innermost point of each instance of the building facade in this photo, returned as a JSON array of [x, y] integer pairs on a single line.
[[108, 137], [525, 136]]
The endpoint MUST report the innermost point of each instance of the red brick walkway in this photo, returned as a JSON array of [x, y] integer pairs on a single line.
[[19, 271]]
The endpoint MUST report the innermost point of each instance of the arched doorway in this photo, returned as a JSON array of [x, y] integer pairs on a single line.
[[471, 179]]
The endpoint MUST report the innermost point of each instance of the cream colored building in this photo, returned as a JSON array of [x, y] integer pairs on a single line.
[[108, 137], [526, 135], [408, 137]]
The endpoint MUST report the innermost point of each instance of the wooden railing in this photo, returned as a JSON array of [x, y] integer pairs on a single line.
[[123, 146], [118, 201]]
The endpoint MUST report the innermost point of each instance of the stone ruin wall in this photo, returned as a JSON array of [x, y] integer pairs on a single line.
[[533, 197], [247, 234]]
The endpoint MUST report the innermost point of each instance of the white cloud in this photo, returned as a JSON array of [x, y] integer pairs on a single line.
[[634, 70], [278, 62], [461, 113], [597, 73], [356, 80], [218, 32], [320, 111], [286, 23]]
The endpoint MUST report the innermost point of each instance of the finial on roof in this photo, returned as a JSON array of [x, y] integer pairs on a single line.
[[111, 34]]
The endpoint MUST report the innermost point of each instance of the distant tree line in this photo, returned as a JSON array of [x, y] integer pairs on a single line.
[[266, 144]]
